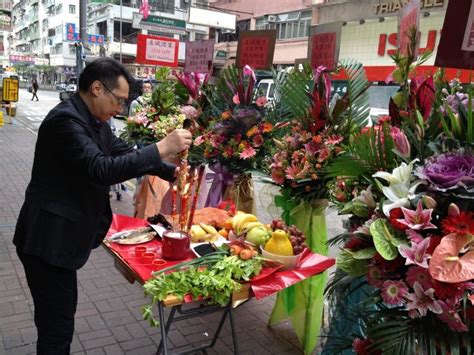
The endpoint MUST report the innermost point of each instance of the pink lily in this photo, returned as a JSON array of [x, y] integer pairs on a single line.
[[417, 220], [416, 254], [422, 301]]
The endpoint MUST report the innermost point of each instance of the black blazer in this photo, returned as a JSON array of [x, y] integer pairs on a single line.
[[67, 211]]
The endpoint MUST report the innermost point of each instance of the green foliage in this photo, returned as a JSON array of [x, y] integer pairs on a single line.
[[352, 266], [356, 99], [385, 239]]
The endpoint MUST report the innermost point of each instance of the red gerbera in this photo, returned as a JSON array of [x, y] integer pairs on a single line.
[[463, 223]]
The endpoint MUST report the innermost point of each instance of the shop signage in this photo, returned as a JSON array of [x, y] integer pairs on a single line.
[[324, 43], [10, 89], [159, 23], [409, 20], [156, 50], [392, 40], [221, 55], [256, 49], [456, 46], [387, 7], [22, 59], [199, 56], [72, 35]]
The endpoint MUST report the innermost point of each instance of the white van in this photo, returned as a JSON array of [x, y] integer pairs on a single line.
[[266, 87]]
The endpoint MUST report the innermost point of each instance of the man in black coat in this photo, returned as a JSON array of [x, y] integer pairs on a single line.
[[67, 211]]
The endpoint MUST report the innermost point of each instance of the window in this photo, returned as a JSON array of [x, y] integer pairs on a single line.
[[72, 9], [290, 25], [164, 6]]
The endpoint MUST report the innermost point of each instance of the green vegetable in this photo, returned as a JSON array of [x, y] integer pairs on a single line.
[[216, 282]]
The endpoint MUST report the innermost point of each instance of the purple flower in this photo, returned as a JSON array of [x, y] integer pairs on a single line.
[[449, 171]]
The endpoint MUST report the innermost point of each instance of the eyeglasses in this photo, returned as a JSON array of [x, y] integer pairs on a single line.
[[119, 100]]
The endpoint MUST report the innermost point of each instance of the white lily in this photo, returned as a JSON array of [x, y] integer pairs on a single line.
[[401, 190], [367, 197]]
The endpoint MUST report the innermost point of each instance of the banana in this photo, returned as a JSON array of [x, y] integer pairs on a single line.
[[246, 218], [208, 228], [249, 225]]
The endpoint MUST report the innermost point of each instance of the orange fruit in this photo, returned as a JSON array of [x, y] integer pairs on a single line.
[[223, 232], [228, 224]]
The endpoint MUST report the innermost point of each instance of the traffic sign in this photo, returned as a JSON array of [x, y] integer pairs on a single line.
[[10, 89], [159, 23]]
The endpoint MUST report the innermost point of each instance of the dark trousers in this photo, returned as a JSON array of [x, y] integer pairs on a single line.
[[54, 292], [34, 95]]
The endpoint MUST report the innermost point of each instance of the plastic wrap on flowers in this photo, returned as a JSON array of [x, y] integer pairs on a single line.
[[228, 186], [303, 302]]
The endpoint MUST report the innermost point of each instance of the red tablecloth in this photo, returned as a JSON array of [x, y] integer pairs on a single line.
[[265, 284]]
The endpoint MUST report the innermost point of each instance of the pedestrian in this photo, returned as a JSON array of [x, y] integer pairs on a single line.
[[34, 89], [142, 101], [66, 212]]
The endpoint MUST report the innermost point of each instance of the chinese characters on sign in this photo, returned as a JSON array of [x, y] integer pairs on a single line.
[[199, 56], [323, 50], [323, 45], [468, 41], [72, 35], [22, 59], [256, 49], [409, 19], [157, 50]]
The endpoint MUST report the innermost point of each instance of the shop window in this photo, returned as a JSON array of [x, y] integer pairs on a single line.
[[289, 25]]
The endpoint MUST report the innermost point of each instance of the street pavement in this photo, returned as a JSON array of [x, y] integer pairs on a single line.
[[108, 318]]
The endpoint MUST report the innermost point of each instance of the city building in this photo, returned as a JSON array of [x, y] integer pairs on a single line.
[[291, 18], [5, 29]]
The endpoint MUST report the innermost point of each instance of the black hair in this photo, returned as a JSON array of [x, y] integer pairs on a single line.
[[106, 70], [146, 81]]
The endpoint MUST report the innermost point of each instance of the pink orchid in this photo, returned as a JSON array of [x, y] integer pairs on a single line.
[[422, 301], [416, 254], [419, 219]]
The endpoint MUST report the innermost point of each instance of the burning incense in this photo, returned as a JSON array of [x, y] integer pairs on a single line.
[[196, 195], [173, 205]]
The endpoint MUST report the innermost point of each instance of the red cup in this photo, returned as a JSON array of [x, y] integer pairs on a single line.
[[175, 245], [158, 264], [139, 250], [147, 257]]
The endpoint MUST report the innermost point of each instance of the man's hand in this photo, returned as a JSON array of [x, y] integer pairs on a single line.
[[175, 142]]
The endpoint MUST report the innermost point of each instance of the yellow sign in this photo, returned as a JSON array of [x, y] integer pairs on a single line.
[[1, 118], [10, 89]]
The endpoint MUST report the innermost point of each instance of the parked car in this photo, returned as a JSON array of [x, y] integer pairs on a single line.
[[69, 89]]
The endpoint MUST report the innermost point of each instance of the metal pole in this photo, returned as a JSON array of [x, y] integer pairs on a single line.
[[83, 34], [120, 31]]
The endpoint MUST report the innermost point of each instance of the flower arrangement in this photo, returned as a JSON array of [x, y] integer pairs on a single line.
[[165, 111], [236, 134], [410, 238]]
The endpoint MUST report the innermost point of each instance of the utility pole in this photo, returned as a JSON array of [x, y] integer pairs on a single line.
[[80, 52], [121, 31]]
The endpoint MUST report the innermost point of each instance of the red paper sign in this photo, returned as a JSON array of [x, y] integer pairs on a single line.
[[456, 47], [410, 15], [256, 48], [157, 50], [323, 50], [199, 56]]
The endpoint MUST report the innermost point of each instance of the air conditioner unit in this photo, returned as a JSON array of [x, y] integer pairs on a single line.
[[272, 18]]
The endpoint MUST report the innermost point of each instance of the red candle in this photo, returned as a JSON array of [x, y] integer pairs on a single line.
[[173, 203]]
